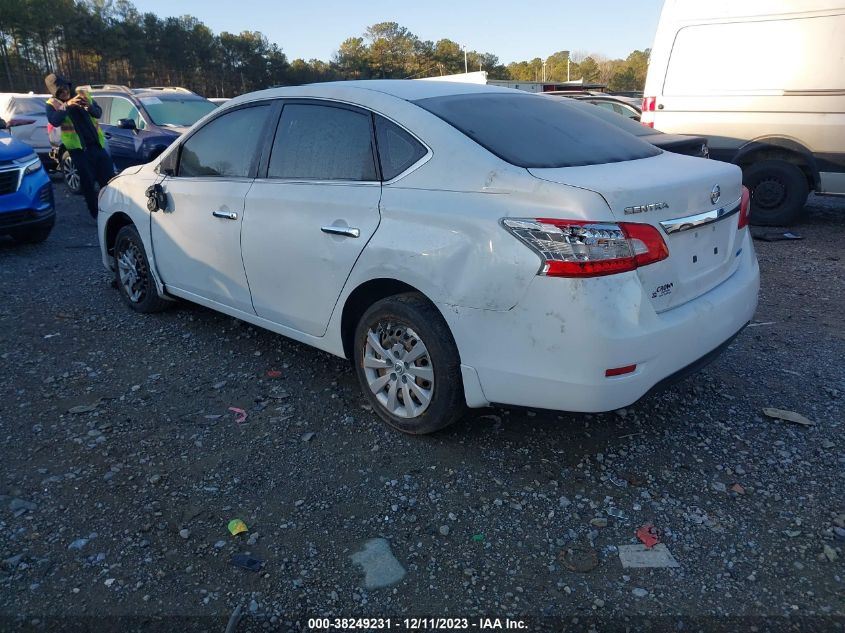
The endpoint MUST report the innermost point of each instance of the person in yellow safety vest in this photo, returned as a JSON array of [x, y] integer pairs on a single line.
[[82, 137]]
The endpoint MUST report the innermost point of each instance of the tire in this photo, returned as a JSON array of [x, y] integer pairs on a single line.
[[132, 273], [388, 331], [70, 173], [778, 190]]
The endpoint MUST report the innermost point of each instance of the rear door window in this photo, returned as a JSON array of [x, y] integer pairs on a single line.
[[323, 142], [228, 146], [536, 131]]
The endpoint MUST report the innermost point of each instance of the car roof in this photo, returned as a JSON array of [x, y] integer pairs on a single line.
[[137, 93], [407, 89]]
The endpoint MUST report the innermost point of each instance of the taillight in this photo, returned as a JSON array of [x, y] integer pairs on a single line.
[[744, 208], [649, 105], [576, 248]]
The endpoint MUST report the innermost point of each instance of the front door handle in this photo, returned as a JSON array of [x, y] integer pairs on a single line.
[[346, 231], [107, 134], [226, 215]]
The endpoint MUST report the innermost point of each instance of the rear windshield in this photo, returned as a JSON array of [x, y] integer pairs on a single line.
[[533, 131], [176, 112]]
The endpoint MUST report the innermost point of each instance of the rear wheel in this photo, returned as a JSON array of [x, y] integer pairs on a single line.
[[778, 190], [70, 173], [133, 277], [408, 365]]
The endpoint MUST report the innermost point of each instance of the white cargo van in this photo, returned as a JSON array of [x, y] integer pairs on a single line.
[[764, 81]]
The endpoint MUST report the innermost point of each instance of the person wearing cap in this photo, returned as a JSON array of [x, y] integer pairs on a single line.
[[82, 137]]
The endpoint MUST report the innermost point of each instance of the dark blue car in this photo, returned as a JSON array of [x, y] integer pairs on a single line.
[[27, 212], [139, 123]]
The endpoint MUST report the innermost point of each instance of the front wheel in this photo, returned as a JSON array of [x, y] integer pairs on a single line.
[[71, 174], [408, 365], [134, 279], [778, 191]]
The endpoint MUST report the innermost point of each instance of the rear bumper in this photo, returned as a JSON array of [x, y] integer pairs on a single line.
[[552, 350]]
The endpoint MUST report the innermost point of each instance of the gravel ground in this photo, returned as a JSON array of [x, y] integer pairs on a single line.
[[122, 465]]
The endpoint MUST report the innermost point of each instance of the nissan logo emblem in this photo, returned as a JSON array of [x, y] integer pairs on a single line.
[[715, 194]]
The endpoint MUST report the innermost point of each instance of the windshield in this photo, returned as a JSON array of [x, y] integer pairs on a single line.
[[533, 131], [176, 112]]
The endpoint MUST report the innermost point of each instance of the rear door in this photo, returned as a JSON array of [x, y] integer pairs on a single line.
[[307, 221], [197, 240]]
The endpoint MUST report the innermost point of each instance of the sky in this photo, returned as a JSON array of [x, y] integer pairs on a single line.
[[514, 31]]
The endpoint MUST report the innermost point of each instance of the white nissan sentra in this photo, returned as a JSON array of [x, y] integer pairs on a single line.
[[462, 245]]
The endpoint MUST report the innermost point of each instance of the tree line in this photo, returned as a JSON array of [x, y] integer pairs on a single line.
[[110, 41]]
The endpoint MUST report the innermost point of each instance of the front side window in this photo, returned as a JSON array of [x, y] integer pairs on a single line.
[[319, 142], [124, 109], [226, 147]]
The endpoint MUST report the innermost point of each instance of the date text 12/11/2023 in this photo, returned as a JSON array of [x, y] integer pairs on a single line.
[[415, 624]]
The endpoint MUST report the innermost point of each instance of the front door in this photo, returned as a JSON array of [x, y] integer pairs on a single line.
[[197, 240], [307, 222], [124, 145]]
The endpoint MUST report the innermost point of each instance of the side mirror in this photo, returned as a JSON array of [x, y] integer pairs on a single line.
[[126, 124], [2, 124]]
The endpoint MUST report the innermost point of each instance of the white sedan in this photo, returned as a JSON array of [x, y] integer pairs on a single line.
[[461, 244]]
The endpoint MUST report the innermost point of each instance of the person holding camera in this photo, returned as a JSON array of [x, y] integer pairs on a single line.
[[82, 137]]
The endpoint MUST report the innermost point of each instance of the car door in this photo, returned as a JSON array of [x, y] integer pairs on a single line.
[[124, 145], [197, 240], [307, 221]]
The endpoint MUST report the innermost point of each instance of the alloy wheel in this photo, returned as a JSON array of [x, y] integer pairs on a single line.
[[71, 174], [398, 369], [133, 273]]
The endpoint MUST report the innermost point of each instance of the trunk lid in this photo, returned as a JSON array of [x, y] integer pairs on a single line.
[[659, 191]]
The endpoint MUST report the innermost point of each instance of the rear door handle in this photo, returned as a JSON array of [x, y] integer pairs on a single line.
[[346, 231], [226, 215]]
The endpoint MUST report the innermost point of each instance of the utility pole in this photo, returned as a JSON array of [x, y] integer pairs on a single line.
[[466, 68], [544, 71], [567, 68]]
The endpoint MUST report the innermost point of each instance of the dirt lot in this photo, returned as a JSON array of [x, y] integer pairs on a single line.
[[122, 465]]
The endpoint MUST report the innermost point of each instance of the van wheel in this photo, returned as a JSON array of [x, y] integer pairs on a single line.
[[408, 365], [778, 190]]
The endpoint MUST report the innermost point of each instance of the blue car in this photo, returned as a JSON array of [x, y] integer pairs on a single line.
[[27, 211]]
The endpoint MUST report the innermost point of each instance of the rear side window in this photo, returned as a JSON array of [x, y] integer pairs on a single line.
[[226, 147], [535, 131], [318, 142], [397, 149]]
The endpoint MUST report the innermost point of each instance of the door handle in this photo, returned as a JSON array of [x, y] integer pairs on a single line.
[[346, 231], [226, 215], [107, 134]]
